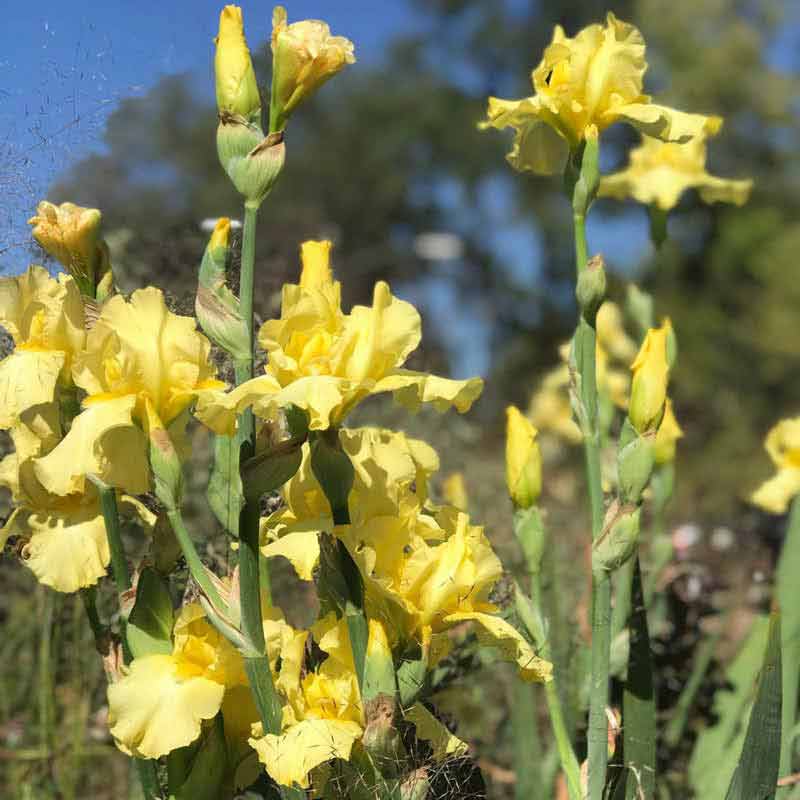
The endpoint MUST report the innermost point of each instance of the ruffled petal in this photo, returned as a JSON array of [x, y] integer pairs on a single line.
[[496, 632], [665, 123], [411, 389], [103, 441], [156, 709], [67, 551], [27, 378], [292, 755], [722, 190]]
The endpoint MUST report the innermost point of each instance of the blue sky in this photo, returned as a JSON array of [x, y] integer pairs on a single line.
[[64, 67]]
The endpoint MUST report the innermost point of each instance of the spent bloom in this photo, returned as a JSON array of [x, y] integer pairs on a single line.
[[660, 172], [71, 234], [584, 84], [304, 56], [783, 445], [326, 362]]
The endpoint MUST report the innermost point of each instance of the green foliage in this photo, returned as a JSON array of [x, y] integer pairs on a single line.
[[721, 744], [149, 628], [756, 775]]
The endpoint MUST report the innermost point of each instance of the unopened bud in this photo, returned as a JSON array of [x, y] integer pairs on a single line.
[[635, 465], [523, 459], [590, 289], [649, 384], [164, 461], [253, 163], [669, 431], [617, 543], [237, 90]]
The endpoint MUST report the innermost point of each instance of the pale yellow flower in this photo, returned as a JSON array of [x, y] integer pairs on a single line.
[[669, 431], [237, 90], [550, 408], [326, 361], [523, 459], [45, 318], [141, 363], [161, 701], [454, 491], [304, 56], [783, 445], [585, 83], [323, 717], [649, 382], [660, 172]]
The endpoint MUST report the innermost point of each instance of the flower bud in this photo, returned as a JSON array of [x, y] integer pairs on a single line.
[[523, 459], [379, 677], [669, 431], [253, 163], [634, 463], [164, 461], [304, 56], [334, 471], [532, 537], [237, 90], [217, 307], [649, 385], [590, 289], [71, 234], [617, 543]]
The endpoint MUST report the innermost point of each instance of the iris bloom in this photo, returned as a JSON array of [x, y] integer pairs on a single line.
[[142, 366], [161, 701], [783, 445], [660, 172], [583, 83], [425, 568], [322, 716], [63, 539], [326, 361], [45, 318]]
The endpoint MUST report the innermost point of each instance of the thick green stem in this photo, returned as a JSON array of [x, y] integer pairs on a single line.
[[196, 567], [601, 586], [146, 770]]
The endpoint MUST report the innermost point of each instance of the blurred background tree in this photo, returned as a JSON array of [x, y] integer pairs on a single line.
[[388, 163]]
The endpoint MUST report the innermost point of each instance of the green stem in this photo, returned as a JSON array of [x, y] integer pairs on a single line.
[[89, 598], [527, 743], [145, 769], [586, 337], [196, 566]]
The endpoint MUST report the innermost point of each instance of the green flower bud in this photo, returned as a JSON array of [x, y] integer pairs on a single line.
[[590, 290], [635, 465], [617, 543], [253, 162]]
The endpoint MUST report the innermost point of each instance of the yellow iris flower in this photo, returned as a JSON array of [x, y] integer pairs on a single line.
[[669, 431], [142, 366], [45, 318], [426, 568], [323, 716], [660, 172], [161, 701], [783, 445], [587, 82], [326, 361], [63, 539]]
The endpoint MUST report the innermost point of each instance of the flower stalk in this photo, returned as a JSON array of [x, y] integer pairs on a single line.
[[583, 175]]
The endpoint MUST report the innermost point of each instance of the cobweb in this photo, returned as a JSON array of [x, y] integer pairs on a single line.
[[48, 120]]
